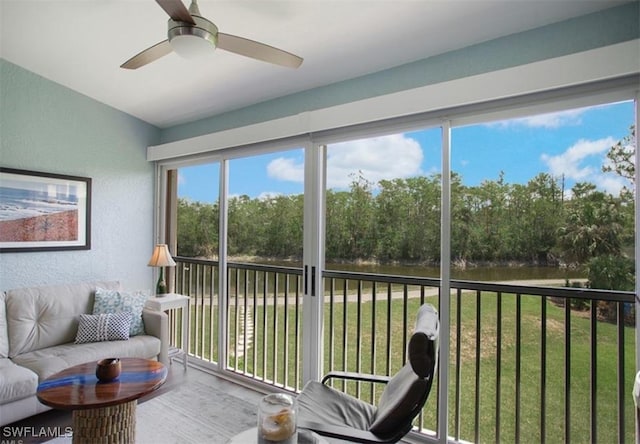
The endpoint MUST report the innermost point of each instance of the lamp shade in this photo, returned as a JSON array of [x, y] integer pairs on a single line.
[[161, 257]]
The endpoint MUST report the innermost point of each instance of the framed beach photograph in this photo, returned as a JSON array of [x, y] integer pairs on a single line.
[[44, 212]]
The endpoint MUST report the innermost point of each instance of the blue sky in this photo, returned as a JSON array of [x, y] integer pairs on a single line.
[[573, 143]]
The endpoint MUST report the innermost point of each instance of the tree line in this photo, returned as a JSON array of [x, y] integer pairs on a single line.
[[399, 220]]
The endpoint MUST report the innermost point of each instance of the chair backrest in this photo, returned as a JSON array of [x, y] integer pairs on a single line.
[[406, 393]]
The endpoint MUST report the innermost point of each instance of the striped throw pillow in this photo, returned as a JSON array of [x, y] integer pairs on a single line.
[[103, 327]]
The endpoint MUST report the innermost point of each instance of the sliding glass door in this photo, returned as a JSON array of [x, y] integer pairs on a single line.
[[264, 254]]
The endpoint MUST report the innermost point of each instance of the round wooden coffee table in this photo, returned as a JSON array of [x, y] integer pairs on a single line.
[[103, 412]]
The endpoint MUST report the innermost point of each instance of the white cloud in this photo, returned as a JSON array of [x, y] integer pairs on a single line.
[[378, 158], [573, 164], [569, 162], [611, 184], [286, 169], [554, 120], [387, 157], [550, 120]]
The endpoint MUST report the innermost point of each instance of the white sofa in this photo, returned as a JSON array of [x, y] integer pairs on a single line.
[[38, 328]]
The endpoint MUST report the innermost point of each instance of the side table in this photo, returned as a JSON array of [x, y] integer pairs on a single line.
[[174, 301]]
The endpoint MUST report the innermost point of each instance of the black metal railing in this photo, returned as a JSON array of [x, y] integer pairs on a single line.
[[573, 360], [526, 364], [264, 318], [198, 279]]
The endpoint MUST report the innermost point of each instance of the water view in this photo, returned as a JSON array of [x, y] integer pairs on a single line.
[[480, 273], [516, 273]]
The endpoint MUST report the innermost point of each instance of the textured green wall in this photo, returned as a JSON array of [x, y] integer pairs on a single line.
[[47, 127]]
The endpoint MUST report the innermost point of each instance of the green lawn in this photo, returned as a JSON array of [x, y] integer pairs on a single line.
[[361, 354]]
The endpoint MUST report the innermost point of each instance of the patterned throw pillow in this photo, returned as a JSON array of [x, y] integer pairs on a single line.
[[114, 301], [103, 327]]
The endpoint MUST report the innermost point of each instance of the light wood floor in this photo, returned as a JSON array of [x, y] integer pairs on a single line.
[[192, 384]]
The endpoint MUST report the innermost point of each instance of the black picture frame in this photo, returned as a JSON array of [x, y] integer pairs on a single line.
[[43, 211]]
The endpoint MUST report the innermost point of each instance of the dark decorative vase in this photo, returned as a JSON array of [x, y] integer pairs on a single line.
[[108, 369]]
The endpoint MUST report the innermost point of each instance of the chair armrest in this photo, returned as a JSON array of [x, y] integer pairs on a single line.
[[339, 432], [156, 323], [354, 376]]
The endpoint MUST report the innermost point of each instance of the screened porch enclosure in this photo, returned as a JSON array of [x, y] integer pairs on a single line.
[[519, 227]]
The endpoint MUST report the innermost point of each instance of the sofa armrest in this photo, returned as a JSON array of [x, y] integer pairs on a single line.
[[156, 323]]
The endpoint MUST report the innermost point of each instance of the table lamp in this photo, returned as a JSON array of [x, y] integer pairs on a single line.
[[161, 258]]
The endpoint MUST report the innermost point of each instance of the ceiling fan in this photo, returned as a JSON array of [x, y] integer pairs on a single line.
[[189, 34]]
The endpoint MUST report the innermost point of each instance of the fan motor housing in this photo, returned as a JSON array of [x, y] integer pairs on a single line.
[[203, 29]]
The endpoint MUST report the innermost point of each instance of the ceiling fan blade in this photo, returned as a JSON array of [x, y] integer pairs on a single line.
[[176, 10], [148, 55], [257, 50]]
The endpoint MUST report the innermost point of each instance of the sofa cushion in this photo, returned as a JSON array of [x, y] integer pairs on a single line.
[[51, 360], [41, 317], [16, 382], [4, 338], [103, 327], [114, 301]]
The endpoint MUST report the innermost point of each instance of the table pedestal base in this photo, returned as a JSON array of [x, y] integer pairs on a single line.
[[106, 425]]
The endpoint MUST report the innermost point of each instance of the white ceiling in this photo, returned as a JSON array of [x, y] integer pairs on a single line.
[[82, 43]]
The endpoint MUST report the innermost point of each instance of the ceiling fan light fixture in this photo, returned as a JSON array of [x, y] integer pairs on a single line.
[[191, 35], [191, 41], [190, 47]]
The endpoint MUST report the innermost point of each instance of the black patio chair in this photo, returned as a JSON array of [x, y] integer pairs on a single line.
[[334, 414]]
